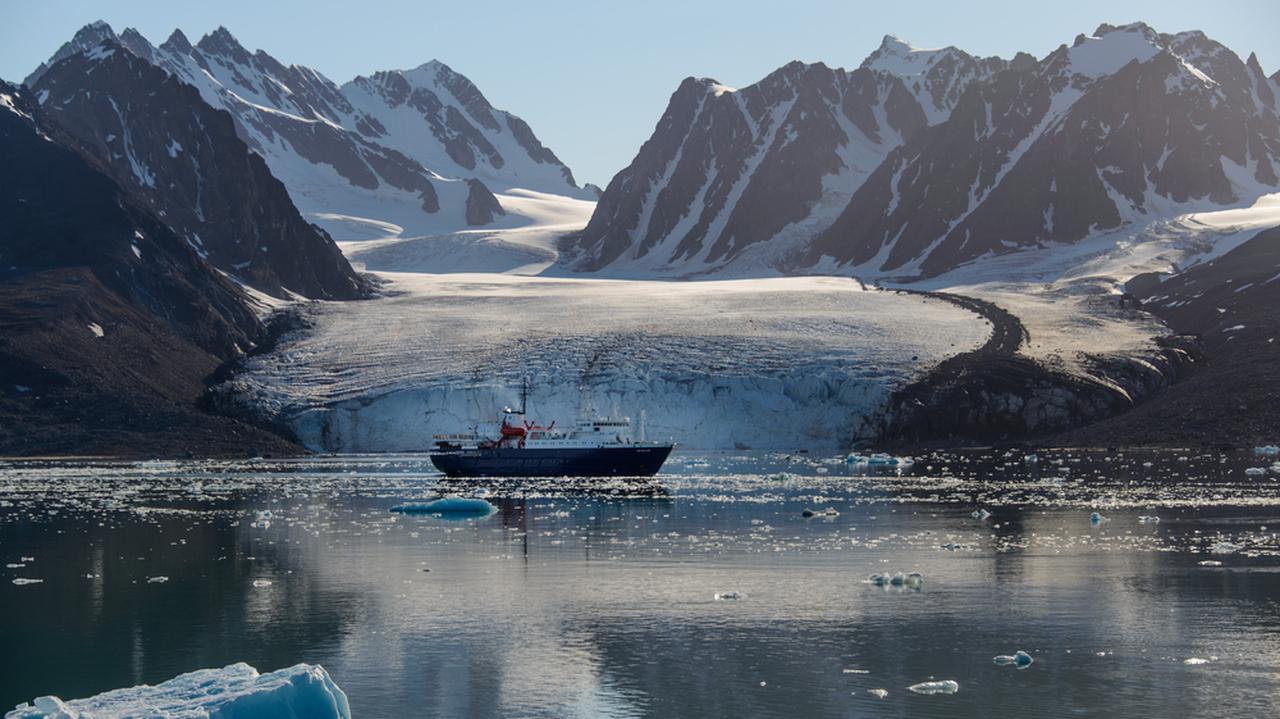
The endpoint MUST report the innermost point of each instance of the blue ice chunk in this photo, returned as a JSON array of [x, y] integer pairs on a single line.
[[1020, 659], [452, 506], [237, 691]]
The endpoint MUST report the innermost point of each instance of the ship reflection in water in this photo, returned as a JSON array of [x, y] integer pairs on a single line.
[[598, 598]]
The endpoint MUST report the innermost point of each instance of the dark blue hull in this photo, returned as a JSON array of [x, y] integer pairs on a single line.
[[515, 462]]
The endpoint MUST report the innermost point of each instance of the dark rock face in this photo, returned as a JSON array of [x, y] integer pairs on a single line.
[[1052, 153], [1232, 396], [155, 136], [482, 206], [109, 321], [994, 395]]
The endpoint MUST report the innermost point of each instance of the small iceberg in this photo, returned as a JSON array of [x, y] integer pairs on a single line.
[[946, 686], [980, 514], [879, 459], [878, 693], [1255, 471], [234, 692], [1095, 519], [1226, 548], [1196, 661], [914, 580], [1269, 450], [1019, 659], [463, 507]]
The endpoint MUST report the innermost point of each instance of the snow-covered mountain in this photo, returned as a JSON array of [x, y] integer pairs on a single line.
[[921, 160], [155, 136], [411, 152], [1121, 127], [741, 179]]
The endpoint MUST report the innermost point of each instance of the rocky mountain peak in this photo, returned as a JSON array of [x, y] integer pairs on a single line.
[[87, 37], [177, 43], [1139, 28], [222, 42]]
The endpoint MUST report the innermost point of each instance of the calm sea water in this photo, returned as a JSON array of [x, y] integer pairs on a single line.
[[599, 599]]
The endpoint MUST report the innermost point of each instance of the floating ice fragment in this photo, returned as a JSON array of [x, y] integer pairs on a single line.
[[980, 514], [1210, 563], [952, 546], [1255, 471], [22, 581], [449, 506], [1020, 659], [914, 580], [96, 329], [1226, 548], [261, 583], [1031, 458], [878, 693], [1193, 661], [880, 459], [1269, 450], [727, 596], [234, 692], [157, 580], [1148, 519], [1097, 519], [946, 686], [855, 671], [825, 512], [15, 565]]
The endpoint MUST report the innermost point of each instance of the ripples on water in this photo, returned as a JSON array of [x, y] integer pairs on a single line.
[[599, 598]]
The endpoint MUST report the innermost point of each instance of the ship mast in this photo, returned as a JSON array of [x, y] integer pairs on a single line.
[[524, 395]]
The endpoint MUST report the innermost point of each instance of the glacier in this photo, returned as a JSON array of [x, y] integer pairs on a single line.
[[238, 691], [806, 362]]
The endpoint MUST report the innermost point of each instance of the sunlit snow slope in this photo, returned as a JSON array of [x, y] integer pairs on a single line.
[[772, 363]]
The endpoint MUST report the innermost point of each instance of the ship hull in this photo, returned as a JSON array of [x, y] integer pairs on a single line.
[[548, 462]]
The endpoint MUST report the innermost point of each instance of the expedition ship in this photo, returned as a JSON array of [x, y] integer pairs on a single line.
[[595, 447]]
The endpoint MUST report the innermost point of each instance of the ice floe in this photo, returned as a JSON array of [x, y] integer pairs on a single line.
[[945, 686]]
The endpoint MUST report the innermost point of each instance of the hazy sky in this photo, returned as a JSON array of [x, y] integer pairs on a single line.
[[592, 78]]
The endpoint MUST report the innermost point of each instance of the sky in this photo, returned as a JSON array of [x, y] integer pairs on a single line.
[[592, 78]]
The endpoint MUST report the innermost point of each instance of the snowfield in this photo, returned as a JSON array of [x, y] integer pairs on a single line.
[[1067, 296], [768, 363], [527, 249]]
